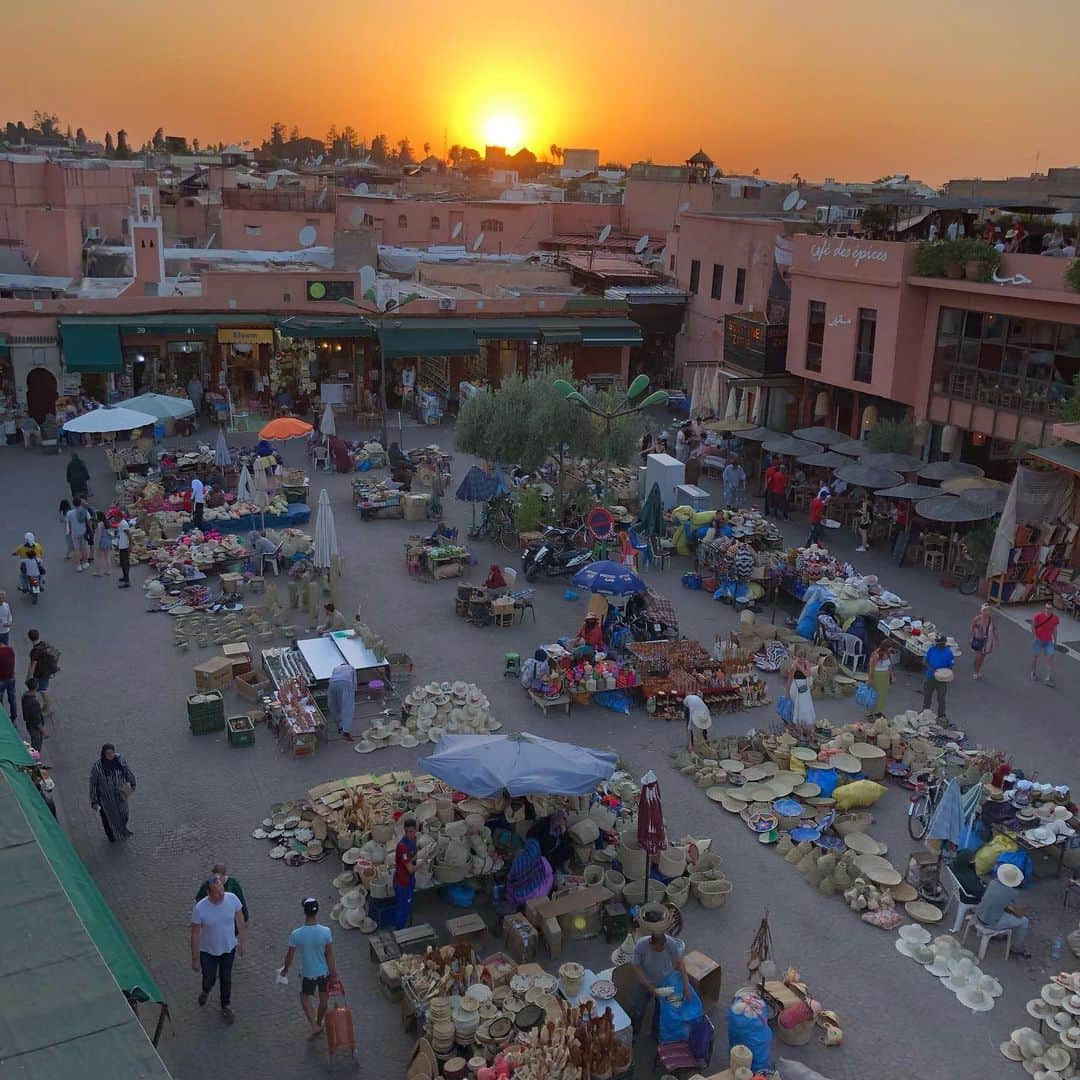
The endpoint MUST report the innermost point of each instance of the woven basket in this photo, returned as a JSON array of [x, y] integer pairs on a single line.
[[614, 881], [672, 861], [849, 823], [655, 891], [678, 891], [782, 756], [594, 874], [713, 894], [634, 892], [632, 858]]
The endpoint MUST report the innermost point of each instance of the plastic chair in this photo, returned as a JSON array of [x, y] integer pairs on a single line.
[[658, 554], [271, 558], [933, 553], [957, 893], [512, 664], [320, 458], [851, 652], [986, 934]]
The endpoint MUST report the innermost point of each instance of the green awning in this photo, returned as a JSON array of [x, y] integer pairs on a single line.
[[348, 327], [562, 336], [427, 341], [610, 332], [178, 326], [92, 347]]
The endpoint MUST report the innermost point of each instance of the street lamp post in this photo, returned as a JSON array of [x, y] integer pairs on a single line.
[[607, 417]]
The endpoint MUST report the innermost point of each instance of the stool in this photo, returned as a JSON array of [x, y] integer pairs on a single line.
[[512, 665], [501, 617], [615, 921], [933, 559], [986, 934], [526, 605]]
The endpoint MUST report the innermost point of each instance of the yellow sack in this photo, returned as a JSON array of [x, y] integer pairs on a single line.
[[858, 795], [988, 854], [797, 766]]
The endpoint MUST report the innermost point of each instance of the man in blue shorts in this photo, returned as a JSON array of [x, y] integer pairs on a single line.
[[317, 968]]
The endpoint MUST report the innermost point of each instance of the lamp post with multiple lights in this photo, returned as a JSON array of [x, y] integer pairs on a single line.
[[607, 417]]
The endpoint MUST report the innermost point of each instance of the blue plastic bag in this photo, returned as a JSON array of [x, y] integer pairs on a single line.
[[364, 466], [866, 696], [826, 779], [785, 709], [754, 1033], [675, 1020], [618, 700]]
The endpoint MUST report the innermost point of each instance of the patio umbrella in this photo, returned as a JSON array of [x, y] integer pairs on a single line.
[[901, 463], [103, 421], [864, 476], [952, 509], [245, 487], [824, 435], [948, 820], [326, 543], [222, 457], [650, 519], [161, 406], [755, 434], [730, 425], [523, 764], [477, 487], [850, 448], [607, 578], [988, 498], [789, 446], [262, 487], [327, 425], [286, 427], [651, 834], [825, 459], [912, 492], [949, 470], [959, 484]]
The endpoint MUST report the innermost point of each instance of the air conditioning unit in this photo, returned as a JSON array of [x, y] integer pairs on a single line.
[[446, 303], [93, 232]]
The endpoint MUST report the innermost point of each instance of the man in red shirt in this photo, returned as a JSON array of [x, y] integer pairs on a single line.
[[778, 485], [1045, 627], [7, 679], [405, 858], [817, 517], [767, 482]]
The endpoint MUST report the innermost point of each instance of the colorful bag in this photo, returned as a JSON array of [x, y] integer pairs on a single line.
[[866, 696], [785, 709]]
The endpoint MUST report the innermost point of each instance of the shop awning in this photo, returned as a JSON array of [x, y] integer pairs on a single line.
[[174, 325], [427, 341], [91, 347], [1064, 457], [611, 332], [562, 336], [348, 327]]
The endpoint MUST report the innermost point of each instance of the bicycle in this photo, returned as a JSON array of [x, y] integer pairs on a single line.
[[929, 788]]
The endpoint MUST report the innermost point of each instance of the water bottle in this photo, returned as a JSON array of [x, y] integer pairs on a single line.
[[1058, 947]]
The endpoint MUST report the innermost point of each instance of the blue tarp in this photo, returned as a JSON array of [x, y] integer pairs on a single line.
[[523, 764]]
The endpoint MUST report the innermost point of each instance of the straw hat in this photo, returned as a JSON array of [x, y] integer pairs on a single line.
[[460, 689], [975, 999], [916, 935], [923, 954], [1043, 1010], [1055, 995], [862, 844], [1057, 1021], [1057, 1058], [409, 741], [940, 967], [1072, 1004], [1071, 1038], [1010, 1050]]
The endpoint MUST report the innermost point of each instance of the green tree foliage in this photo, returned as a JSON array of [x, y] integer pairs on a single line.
[[1070, 409], [891, 437]]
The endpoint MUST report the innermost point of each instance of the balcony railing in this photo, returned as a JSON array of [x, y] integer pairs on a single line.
[[1009, 392]]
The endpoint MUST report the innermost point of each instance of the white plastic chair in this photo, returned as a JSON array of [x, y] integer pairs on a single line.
[[851, 653], [320, 456], [986, 934], [957, 893], [272, 558]]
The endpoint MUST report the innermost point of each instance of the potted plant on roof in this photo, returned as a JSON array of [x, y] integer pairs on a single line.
[[929, 259], [980, 259], [1072, 275]]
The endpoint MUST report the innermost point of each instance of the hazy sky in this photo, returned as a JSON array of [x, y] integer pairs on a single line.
[[846, 88]]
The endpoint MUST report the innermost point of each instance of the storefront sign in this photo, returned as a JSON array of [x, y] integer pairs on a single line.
[[71, 384], [848, 250], [233, 335]]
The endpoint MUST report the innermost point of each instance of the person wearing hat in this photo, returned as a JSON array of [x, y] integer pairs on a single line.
[[590, 638], [698, 720], [553, 839], [939, 657], [817, 517], [334, 620], [656, 956], [998, 909], [318, 972], [231, 886]]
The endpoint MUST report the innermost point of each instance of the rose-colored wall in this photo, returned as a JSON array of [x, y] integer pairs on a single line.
[[194, 218], [578, 217], [52, 241], [280, 229], [652, 206]]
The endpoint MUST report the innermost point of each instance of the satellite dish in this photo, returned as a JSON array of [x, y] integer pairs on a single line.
[[800, 204], [641, 245], [318, 160], [663, 255], [367, 278], [271, 182], [308, 236], [605, 232], [360, 189], [683, 207], [357, 215], [477, 242], [790, 199], [456, 232]]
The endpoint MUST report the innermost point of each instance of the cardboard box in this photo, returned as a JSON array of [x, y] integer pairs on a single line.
[[580, 924], [578, 902], [213, 674], [520, 937], [252, 684], [553, 937], [229, 582], [416, 507], [704, 974], [500, 967], [466, 929]]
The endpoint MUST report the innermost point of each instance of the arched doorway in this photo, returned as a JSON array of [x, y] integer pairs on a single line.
[[40, 393]]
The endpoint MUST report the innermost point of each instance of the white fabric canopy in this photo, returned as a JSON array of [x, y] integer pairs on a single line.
[[245, 488], [326, 542], [101, 421], [328, 426], [222, 457], [163, 406]]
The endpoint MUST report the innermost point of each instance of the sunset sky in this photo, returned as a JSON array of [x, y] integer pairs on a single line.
[[845, 88]]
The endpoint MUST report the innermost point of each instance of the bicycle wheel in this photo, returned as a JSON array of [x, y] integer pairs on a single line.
[[969, 585], [508, 536], [918, 816]]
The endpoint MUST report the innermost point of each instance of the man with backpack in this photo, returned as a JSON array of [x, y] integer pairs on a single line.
[[44, 664]]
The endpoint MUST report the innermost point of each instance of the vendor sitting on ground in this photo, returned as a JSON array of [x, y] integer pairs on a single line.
[[401, 468], [829, 625], [555, 844], [530, 875], [536, 670], [698, 720], [655, 958], [590, 638], [333, 620]]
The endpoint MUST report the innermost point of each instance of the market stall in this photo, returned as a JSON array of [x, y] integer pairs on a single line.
[[378, 498]]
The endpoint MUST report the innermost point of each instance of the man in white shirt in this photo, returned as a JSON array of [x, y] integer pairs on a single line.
[[198, 502], [123, 549], [218, 935]]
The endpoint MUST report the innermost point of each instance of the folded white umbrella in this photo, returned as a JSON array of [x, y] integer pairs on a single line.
[[326, 542], [328, 425], [101, 421], [222, 456], [245, 488]]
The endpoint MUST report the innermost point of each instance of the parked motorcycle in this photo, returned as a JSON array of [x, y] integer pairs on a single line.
[[31, 579], [556, 555]]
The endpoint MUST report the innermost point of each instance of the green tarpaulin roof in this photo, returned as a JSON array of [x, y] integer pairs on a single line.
[[427, 340], [91, 347], [348, 327]]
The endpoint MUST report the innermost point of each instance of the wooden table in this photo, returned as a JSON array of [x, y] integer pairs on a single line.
[[543, 702]]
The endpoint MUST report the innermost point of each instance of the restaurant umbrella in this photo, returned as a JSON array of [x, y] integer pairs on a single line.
[[824, 435], [607, 578], [850, 448], [326, 542], [788, 446], [912, 492], [959, 484], [651, 834], [162, 406], [900, 463], [824, 459], [949, 470], [286, 427], [103, 421], [477, 487], [861, 475], [988, 498], [756, 434], [328, 425], [952, 509], [730, 425]]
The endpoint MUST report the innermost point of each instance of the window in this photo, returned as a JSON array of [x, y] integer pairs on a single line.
[[815, 335], [435, 222], [717, 281], [491, 225], [253, 230], [403, 221], [864, 345], [695, 275], [740, 285], [671, 264]]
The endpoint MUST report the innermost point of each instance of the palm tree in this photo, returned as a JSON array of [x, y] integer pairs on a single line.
[[556, 152]]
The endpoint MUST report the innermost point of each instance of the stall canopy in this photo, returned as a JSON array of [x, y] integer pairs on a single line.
[[102, 421], [427, 339], [163, 406], [91, 347], [66, 959], [522, 764]]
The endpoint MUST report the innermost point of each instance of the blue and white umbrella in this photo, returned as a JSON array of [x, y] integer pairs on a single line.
[[222, 455], [607, 578]]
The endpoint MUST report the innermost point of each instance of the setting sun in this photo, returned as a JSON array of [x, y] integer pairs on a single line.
[[503, 129]]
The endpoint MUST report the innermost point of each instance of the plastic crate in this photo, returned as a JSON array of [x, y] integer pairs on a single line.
[[205, 725], [207, 707], [241, 730]]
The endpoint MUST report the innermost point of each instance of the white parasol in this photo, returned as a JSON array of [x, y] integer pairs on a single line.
[[222, 456], [326, 543], [245, 488], [102, 421], [163, 406], [262, 487], [328, 425]]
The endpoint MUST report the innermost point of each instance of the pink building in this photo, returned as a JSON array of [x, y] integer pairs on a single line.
[[656, 195], [985, 364]]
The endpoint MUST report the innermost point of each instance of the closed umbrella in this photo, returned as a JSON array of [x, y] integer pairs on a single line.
[[900, 463], [650, 519], [651, 834], [825, 459], [520, 763], [262, 487], [222, 457], [607, 578], [326, 542], [103, 421], [952, 509], [824, 435], [911, 492], [245, 487], [864, 476], [161, 406], [327, 425], [788, 446], [949, 470]]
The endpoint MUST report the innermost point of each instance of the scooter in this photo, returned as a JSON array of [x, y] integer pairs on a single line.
[[34, 583], [555, 555]]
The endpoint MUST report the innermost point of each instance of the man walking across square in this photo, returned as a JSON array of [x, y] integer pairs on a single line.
[[218, 936], [317, 968], [7, 679], [1045, 629]]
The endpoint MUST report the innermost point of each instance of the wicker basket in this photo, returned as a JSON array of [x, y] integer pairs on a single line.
[[594, 874], [678, 891], [655, 891], [781, 755], [853, 822], [614, 881], [634, 892], [713, 894], [632, 858]]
